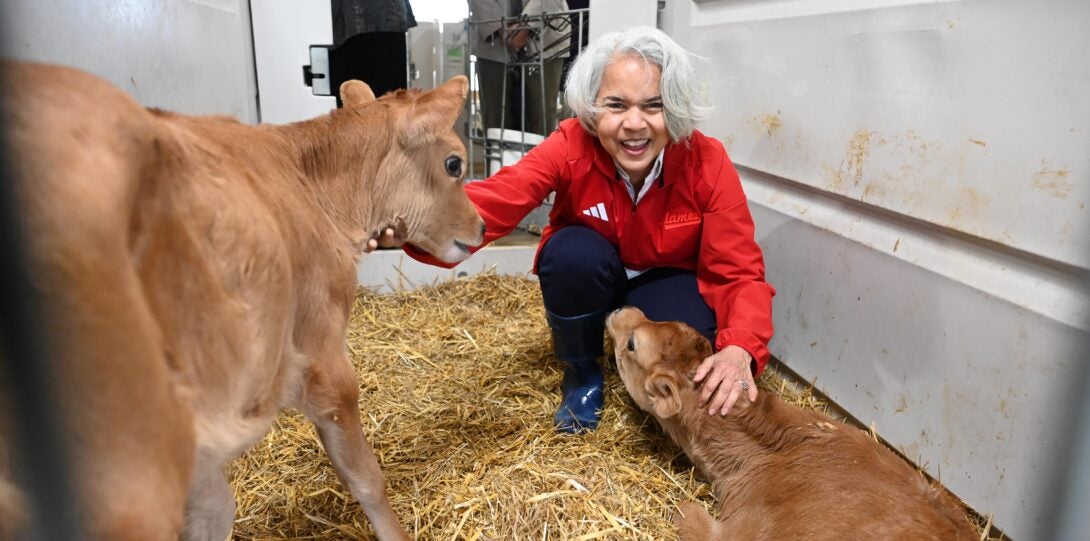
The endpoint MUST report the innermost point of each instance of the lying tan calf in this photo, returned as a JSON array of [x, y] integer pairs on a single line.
[[197, 276], [779, 471]]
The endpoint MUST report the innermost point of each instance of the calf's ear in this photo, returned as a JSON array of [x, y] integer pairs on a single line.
[[662, 389], [435, 110], [355, 93]]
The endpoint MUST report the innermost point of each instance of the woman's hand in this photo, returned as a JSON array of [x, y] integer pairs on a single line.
[[726, 376], [386, 239]]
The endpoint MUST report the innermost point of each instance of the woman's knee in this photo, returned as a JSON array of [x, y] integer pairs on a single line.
[[579, 271], [577, 247]]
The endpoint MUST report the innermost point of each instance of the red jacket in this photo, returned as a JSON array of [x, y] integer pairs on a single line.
[[695, 217]]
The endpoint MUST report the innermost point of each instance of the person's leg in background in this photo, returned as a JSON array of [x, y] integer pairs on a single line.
[[536, 106], [581, 277], [668, 294], [565, 111], [490, 76], [494, 80]]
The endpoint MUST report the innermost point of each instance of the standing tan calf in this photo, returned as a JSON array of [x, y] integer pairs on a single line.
[[779, 471], [197, 276]]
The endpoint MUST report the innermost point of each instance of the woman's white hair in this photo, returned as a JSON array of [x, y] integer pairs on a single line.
[[682, 96]]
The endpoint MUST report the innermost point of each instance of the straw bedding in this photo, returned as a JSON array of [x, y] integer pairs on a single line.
[[458, 386]]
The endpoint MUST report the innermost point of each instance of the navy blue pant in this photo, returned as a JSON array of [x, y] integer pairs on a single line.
[[580, 273]]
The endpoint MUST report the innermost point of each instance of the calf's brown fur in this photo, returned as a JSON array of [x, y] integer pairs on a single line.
[[779, 471], [197, 276]]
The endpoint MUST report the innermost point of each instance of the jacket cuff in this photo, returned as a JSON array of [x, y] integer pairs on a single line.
[[424, 257], [748, 341]]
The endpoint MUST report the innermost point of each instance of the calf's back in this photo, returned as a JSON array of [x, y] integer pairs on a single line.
[[196, 274]]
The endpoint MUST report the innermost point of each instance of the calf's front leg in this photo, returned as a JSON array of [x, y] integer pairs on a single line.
[[331, 402], [694, 523], [210, 509]]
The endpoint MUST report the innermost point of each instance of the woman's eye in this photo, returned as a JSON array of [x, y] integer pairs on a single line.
[[454, 166], [631, 342], [654, 106]]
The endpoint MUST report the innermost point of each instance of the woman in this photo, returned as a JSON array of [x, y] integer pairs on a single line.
[[648, 212]]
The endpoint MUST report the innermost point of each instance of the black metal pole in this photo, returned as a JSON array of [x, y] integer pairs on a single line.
[[39, 462]]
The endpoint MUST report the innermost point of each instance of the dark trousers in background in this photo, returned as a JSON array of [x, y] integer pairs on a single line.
[[581, 273], [538, 104], [379, 59], [490, 76], [540, 112]]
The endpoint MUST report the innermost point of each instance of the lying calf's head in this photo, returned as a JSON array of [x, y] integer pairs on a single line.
[[656, 360]]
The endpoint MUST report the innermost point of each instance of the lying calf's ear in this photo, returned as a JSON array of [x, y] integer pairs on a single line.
[[355, 93], [662, 389], [700, 346]]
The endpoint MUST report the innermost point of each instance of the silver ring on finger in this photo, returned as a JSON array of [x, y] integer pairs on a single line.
[[744, 384]]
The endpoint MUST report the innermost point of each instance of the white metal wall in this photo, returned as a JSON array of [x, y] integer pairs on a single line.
[[191, 56], [918, 171], [615, 15]]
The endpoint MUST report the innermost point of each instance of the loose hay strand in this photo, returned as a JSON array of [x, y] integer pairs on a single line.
[[457, 390]]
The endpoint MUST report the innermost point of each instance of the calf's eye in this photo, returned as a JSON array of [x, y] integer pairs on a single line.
[[454, 166], [631, 342]]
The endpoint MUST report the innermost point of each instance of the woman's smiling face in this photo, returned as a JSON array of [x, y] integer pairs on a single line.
[[630, 122]]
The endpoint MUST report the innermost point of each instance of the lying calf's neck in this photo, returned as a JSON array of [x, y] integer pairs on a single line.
[[745, 438]]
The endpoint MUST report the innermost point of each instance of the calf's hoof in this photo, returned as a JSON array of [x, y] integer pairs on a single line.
[[694, 523]]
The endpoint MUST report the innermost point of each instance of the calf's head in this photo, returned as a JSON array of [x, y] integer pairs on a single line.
[[418, 186], [656, 360]]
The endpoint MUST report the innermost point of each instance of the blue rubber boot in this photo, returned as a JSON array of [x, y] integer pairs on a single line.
[[577, 342]]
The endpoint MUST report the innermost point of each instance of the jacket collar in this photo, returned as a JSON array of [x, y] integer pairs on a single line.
[[673, 161], [654, 174]]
